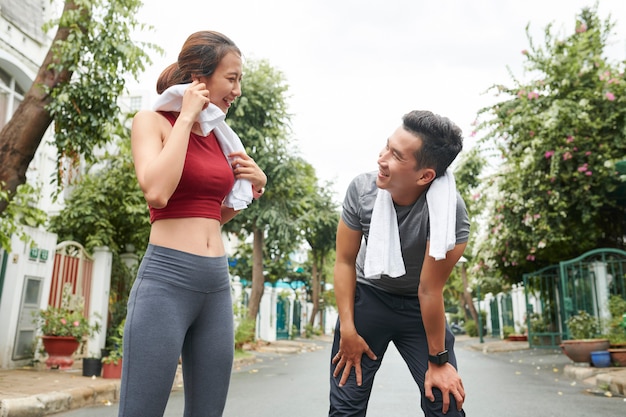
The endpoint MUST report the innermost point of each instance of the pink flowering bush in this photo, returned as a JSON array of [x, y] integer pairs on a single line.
[[556, 193]]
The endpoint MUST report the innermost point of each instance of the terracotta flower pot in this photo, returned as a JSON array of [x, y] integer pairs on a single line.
[[618, 356], [579, 350], [60, 350], [112, 370]]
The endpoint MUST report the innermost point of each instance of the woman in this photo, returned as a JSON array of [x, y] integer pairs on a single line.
[[181, 302]]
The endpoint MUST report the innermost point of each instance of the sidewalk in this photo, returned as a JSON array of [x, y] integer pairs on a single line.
[[36, 392], [28, 392], [601, 381]]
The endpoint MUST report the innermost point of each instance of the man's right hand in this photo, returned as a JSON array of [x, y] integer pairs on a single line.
[[351, 349]]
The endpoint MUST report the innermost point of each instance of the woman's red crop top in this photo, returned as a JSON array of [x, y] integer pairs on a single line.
[[206, 180]]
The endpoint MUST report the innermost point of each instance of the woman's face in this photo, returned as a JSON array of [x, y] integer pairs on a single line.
[[224, 84]]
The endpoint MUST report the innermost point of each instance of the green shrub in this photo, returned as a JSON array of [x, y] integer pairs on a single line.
[[507, 331], [244, 333], [583, 325], [471, 328]]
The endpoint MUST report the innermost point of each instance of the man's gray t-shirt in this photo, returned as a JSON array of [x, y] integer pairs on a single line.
[[413, 226]]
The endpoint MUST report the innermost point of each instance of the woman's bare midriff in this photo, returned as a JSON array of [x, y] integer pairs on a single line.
[[195, 235]]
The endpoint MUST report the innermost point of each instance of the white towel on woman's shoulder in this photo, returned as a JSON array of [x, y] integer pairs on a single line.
[[384, 253], [212, 118]]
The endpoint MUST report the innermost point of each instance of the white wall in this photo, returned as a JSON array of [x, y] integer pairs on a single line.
[[19, 266]]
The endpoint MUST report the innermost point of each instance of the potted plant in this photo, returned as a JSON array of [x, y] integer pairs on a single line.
[[584, 331], [112, 362], [617, 330], [63, 330]]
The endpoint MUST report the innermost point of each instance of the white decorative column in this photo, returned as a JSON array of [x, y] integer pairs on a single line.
[[99, 303]]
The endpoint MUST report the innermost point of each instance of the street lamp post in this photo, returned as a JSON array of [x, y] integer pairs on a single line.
[[480, 316]]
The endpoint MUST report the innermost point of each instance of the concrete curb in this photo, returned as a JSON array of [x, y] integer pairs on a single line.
[[59, 401], [614, 381]]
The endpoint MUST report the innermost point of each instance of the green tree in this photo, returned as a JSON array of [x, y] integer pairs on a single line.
[[106, 207], [21, 210], [261, 119], [77, 88], [319, 225], [560, 136], [468, 180]]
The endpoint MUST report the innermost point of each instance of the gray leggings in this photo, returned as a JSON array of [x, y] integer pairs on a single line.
[[180, 303]]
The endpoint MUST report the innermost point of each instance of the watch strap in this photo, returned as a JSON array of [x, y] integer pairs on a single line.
[[440, 358]]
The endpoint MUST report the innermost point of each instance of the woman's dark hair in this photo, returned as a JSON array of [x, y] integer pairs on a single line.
[[442, 140], [200, 55]]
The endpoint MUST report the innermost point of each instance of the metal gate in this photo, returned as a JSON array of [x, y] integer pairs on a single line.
[[282, 317], [542, 290], [556, 292], [494, 312], [589, 280], [72, 267]]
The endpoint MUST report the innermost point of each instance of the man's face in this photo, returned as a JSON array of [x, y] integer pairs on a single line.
[[396, 163]]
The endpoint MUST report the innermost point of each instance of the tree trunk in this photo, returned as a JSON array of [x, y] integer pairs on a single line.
[[258, 279], [21, 136], [467, 295], [315, 292]]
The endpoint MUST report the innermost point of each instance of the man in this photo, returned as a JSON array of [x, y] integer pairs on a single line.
[[399, 300]]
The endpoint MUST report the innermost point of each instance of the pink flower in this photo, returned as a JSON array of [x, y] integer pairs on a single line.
[[530, 258], [76, 323], [63, 321], [581, 28], [588, 173], [524, 52], [587, 153], [549, 154], [610, 96], [531, 133], [567, 155], [583, 168], [569, 139], [532, 95]]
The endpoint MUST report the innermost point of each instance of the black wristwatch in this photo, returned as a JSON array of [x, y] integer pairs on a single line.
[[440, 358]]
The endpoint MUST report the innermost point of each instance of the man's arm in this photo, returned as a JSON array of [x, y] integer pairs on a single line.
[[351, 345], [432, 280]]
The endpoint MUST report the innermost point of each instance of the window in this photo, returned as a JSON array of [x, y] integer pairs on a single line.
[[11, 95], [135, 103]]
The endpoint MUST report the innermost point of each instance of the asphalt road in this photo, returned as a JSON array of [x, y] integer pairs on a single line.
[[512, 384]]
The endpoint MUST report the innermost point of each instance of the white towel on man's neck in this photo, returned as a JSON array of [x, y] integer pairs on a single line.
[[441, 200], [212, 118], [384, 253]]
